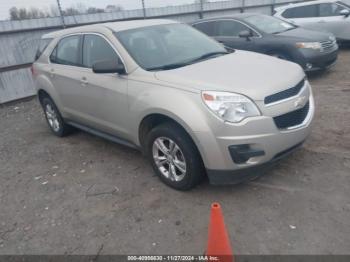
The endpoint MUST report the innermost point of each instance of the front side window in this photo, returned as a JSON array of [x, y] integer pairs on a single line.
[[269, 24], [301, 12], [230, 28], [164, 47], [97, 49], [330, 9], [67, 52], [346, 6], [205, 27]]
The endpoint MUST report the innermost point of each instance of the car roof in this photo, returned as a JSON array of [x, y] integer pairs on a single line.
[[281, 8], [113, 26], [239, 16]]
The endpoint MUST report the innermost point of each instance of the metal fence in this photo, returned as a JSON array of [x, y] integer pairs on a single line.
[[19, 39]]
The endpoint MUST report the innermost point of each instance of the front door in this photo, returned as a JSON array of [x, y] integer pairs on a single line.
[[306, 16], [322, 17], [105, 95], [331, 19], [227, 32]]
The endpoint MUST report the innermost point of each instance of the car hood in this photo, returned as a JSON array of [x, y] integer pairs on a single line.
[[251, 74], [302, 34]]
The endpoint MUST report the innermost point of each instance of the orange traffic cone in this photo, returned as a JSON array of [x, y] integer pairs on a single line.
[[218, 239]]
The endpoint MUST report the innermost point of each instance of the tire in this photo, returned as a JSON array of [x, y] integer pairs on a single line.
[[54, 118], [184, 159]]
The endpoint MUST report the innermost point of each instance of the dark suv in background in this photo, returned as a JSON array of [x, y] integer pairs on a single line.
[[312, 50]]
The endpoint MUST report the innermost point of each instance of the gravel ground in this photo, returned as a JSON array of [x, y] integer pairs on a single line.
[[84, 195]]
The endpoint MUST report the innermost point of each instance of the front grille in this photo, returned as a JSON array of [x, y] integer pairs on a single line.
[[293, 118], [328, 45], [285, 94]]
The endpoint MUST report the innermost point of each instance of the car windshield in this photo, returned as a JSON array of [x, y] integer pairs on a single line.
[[269, 24], [168, 46]]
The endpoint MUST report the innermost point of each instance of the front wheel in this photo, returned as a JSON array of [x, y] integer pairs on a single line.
[[174, 157]]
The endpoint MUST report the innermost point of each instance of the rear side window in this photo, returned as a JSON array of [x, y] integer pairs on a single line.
[[206, 27], [96, 49], [44, 42], [67, 52], [230, 28], [301, 11]]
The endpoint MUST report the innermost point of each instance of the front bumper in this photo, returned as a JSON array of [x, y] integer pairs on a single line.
[[315, 61], [257, 140], [221, 177]]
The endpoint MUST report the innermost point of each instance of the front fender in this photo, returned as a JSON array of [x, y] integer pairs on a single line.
[[184, 107]]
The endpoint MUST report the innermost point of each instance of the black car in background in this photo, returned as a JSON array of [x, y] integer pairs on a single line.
[[312, 50]]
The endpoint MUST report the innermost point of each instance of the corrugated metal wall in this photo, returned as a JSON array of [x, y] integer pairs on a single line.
[[16, 84], [19, 39]]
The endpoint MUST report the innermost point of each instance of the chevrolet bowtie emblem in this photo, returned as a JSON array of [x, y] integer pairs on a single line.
[[300, 101]]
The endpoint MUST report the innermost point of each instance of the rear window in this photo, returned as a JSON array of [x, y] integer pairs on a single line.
[[44, 42]]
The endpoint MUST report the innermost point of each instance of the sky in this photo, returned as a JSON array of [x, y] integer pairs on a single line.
[[5, 5]]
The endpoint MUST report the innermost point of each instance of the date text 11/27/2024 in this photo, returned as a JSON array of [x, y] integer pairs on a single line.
[[173, 258]]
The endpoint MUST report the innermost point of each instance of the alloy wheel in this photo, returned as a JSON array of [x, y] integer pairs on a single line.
[[169, 159], [52, 118]]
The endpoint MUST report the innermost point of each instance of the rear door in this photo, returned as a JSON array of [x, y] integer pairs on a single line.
[[65, 71]]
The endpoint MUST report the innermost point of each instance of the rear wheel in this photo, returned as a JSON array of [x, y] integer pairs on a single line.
[[54, 118], [174, 157]]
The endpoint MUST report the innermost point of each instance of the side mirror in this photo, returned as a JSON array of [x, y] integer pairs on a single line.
[[108, 67], [345, 12], [245, 34]]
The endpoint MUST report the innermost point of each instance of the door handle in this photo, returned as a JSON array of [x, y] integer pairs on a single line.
[[322, 21], [84, 81]]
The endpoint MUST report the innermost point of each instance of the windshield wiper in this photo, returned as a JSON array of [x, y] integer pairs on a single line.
[[182, 64], [287, 29], [208, 55], [167, 67]]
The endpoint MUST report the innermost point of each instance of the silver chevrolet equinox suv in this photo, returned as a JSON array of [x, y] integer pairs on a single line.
[[189, 105]]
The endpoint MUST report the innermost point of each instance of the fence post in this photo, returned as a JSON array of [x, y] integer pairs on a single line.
[[272, 6], [201, 8], [61, 13], [144, 9], [242, 6]]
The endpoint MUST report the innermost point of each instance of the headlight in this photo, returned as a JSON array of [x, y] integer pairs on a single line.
[[310, 45], [230, 107]]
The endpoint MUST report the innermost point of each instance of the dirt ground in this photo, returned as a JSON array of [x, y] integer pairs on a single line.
[[84, 195]]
